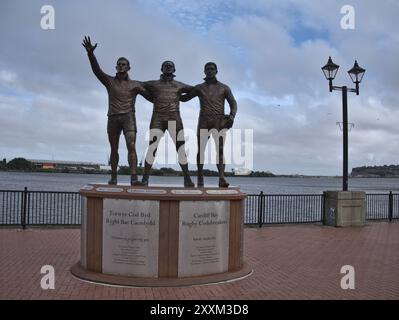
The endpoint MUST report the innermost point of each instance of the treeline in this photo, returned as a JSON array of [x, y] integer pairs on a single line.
[[21, 164], [17, 164], [208, 173], [167, 172], [386, 171]]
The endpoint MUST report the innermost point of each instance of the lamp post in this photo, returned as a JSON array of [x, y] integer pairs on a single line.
[[356, 73]]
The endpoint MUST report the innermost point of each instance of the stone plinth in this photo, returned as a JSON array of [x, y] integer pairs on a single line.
[[161, 235], [344, 208]]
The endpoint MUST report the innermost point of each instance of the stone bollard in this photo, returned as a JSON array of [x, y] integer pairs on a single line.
[[344, 208]]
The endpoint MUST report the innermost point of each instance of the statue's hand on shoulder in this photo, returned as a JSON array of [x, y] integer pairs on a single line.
[[183, 97], [88, 46]]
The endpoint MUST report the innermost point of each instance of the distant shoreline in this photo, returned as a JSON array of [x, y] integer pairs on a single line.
[[192, 173], [24, 165], [124, 170], [284, 184]]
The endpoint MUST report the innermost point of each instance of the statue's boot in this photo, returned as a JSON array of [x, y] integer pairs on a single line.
[[113, 180], [133, 180], [187, 179], [200, 181], [187, 182], [223, 183], [144, 180]]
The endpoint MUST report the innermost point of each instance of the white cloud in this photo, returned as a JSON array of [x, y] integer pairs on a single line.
[[7, 77], [269, 53]]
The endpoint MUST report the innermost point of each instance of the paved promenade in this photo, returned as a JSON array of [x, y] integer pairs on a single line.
[[289, 262]]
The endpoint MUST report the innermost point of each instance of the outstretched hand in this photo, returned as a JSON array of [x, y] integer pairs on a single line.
[[87, 44]]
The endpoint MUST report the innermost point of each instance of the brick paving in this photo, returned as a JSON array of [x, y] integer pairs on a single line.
[[289, 262]]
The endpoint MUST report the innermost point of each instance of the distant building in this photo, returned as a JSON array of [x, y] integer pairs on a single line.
[[72, 165], [241, 172]]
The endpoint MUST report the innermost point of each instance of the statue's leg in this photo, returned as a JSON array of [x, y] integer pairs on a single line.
[[220, 140], [157, 130], [130, 130], [179, 141], [130, 138], [114, 131], [202, 140]]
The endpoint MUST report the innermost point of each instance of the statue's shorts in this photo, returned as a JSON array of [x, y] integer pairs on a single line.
[[210, 122], [121, 122], [167, 121]]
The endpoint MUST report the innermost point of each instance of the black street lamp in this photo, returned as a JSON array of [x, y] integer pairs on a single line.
[[356, 73]]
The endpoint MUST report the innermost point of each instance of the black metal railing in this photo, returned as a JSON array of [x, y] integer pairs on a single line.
[[378, 206], [64, 208], [274, 209], [395, 206], [11, 207], [382, 206], [39, 208], [53, 208]]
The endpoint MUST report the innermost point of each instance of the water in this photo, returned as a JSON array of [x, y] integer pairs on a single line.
[[39, 181]]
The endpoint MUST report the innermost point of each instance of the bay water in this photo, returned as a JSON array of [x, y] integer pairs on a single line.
[[42, 181]]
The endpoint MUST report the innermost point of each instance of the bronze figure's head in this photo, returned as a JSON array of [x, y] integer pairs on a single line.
[[210, 70], [122, 65], [168, 67]]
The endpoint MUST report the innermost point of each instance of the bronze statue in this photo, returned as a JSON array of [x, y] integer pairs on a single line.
[[166, 94], [122, 93], [212, 95]]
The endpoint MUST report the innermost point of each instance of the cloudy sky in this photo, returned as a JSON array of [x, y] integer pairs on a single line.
[[268, 51]]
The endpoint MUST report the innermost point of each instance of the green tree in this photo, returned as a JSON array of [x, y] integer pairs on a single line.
[[19, 164], [3, 164]]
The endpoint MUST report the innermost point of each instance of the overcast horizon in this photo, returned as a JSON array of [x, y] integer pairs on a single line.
[[269, 53]]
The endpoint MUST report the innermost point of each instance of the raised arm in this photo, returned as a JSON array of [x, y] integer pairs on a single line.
[[102, 76]]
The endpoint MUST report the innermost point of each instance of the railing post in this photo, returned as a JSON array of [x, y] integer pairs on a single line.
[[23, 208], [261, 205], [390, 209]]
